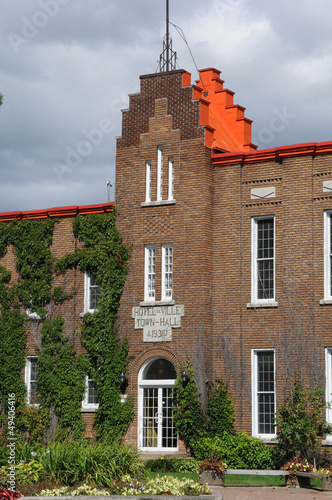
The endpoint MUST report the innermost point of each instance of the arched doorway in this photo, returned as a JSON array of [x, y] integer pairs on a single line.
[[155, 423]]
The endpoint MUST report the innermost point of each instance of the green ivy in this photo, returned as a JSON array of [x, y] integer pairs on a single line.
[[220, 410], [61, 372], [61, 379], [104, 256]]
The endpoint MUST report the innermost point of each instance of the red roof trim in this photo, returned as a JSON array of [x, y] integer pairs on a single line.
[[307, 149], [70, 211]]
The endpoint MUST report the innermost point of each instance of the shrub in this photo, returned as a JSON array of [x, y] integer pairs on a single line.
[[98, 463], [8, 495], [239, 451], [300, 421], [220, 411], [171, 465], [189, 419]]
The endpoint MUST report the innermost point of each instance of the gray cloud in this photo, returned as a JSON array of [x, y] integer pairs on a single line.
[[64, 71]]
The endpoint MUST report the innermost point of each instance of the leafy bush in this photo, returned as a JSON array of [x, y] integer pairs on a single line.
[[300, 421], [29, 473], [8, 495], [239, 451], [189, 419], [220, 411], [98, 464], [171, 465]]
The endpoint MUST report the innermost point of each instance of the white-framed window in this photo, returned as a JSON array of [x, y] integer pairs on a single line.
[[150, 273], [160, 173], [90, 401], [170, 178], [167, 272], [263, 266], [91, 292], [31, 380], [148, 181], [263, 393], [328, 385], [327, 255]]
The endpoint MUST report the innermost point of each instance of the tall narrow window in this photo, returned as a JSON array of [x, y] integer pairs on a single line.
[[31, 380], [170, 178], [328, 255], [90, 401], [263, 259], [148, 181], [328, 385], [92, 293], [263, 392], [160, 174], [167, 272], [150, 273]]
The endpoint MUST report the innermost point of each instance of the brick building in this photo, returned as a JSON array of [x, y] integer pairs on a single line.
[[231, 255], [230, 262]]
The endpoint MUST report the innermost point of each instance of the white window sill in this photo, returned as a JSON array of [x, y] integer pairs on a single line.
[[269, 439], [36, 317], [89, 409], [325, 302], [327, 442], [157, 203], [259, 305], [157, 303]]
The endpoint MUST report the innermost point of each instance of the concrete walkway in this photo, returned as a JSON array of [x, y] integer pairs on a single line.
[[269, 493]]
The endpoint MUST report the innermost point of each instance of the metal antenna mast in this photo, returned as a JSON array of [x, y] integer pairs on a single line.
[[167, 60]]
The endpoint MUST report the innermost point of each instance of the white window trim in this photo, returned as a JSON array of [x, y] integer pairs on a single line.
[[163, 272], [160, 173], [87, 278], [254, 268], [27, 378], [327, 246], [149, 383], [148, 182], [254, 380], [328, 386], [147, 249], [85, 405], [170, 178]]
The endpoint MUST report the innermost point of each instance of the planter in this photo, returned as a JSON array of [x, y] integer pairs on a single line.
[[212, 478]]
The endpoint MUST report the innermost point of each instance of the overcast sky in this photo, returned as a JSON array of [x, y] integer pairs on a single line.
[[67, 66]]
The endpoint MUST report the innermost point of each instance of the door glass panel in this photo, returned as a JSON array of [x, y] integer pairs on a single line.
[[169, 436], [150, 417]]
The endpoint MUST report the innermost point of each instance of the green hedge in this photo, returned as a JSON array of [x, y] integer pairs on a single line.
[[239, 451]]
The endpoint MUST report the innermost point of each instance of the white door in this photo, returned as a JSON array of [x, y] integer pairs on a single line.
[[156, 426]]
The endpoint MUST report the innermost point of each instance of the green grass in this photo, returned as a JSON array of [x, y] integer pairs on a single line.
[[230, 479], [250, 480]]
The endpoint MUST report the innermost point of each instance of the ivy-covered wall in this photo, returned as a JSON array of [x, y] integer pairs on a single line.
[[51, 288]]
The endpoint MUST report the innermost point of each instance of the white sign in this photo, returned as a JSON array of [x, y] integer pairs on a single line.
[[157, 321]]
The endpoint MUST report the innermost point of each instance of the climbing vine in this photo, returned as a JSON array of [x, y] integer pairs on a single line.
[[105, 257], [61, 371]]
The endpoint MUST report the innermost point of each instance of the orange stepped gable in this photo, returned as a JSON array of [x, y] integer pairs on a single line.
[[227, 129]]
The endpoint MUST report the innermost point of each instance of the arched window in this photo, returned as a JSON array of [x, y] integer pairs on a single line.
[[156, 427]]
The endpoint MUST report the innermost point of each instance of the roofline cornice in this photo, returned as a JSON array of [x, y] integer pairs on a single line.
[[274, 154], [59, 212]]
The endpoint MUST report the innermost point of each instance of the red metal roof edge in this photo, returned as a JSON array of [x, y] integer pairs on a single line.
[[305, 149], [70, 211]]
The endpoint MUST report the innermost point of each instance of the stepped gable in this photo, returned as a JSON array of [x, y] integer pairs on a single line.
[[204, 110], [176, 88], [231, 129]]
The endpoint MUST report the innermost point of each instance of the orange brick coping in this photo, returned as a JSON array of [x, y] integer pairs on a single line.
[[274, 154], [70, 211]]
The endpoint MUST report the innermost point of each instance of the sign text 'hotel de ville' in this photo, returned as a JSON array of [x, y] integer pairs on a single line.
[[157, 321]]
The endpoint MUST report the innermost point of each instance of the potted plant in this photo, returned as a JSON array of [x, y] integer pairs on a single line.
[[212, 471]]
